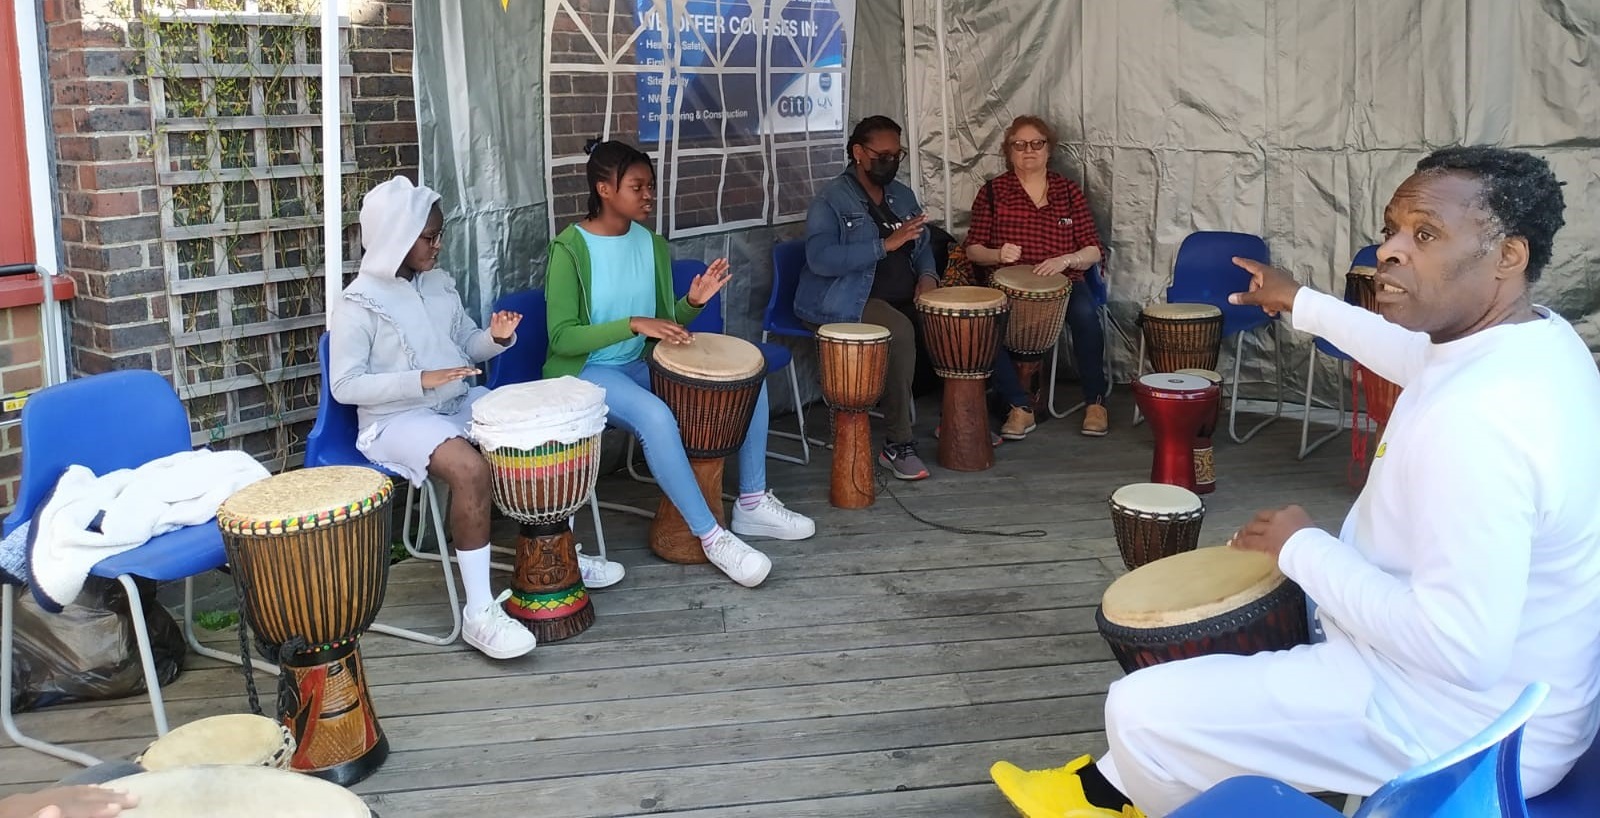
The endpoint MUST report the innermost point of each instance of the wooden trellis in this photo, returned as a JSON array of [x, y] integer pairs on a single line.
[[238, 151]]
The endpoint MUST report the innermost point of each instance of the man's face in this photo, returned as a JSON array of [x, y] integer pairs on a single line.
[[1439, 265]]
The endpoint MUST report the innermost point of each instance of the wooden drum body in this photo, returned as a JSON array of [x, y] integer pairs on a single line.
[[1201, 602], [1361, 287], [542, 441], [854, 359], [1205, 460], [711, 385], [1182, 336], [1038, 312], [1178, 407], [961, 328], [309, 553], [1155, 520]]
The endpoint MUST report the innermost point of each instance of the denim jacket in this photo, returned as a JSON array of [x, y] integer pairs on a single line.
[[843, 249]]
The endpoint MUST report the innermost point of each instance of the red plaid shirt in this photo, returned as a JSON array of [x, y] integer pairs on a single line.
[[1003, 213]]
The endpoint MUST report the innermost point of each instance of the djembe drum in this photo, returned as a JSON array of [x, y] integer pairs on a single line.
[[1038, 311], [711, 384], [309, 553], [1205, 460], [237, 738], [1361, 287], [961, 329], [1201, 602], [213, 790], [1178, 407], [542, 441], [1155, 520], [1182, 336], [854, 359]]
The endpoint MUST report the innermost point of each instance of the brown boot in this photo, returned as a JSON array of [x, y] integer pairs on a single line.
[[1018, 424], [1095, 421]]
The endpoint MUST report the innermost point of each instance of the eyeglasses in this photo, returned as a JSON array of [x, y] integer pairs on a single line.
[[437, 239], [899, 155], [1028, 145]]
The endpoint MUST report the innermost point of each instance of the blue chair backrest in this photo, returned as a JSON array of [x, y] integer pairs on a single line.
[[1095, 279], [1204, 272], [524, 361], [788, 260], [116, 420], [332, 441], [1366, 257], [683, 273], [1482, 777]]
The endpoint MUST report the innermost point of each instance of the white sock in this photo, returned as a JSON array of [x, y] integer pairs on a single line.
[[709, 536], [475, 576], [749, 501]]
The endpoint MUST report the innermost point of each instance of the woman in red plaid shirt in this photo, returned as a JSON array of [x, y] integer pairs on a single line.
[[1031, 215]]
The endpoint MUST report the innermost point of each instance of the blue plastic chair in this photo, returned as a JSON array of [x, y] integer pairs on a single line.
[[332, 442], [1094, 278], [524, 363], [1204, 273], [117, 420], [1479, 779], [1365, 257], [788, 260]]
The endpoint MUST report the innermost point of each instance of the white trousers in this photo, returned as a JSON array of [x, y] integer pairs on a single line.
[[1299, 716]]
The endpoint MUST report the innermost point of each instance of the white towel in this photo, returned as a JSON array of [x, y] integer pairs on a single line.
[[87, 519]]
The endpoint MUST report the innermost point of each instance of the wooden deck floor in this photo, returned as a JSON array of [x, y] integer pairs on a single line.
[[881, 669]]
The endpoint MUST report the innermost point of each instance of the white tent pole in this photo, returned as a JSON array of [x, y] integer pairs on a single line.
[[912, 126], [332, 161], [41, 195]]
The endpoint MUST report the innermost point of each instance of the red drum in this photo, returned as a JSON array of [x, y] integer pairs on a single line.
[[1178, 407], [1201, 602], [1205, 461]]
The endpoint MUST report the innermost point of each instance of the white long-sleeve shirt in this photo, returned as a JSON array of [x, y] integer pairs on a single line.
[[1470, 564]]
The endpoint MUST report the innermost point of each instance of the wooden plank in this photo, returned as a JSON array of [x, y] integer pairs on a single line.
[[255, 173], [243, 123]]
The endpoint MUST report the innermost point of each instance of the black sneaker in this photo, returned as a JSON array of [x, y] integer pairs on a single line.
[[902, 459]]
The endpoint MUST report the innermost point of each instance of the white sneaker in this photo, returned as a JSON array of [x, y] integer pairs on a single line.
[[598, 572], [740, 562], [770, 519], [493, 631]]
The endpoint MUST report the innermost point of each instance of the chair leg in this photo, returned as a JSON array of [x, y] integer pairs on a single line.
[[141, 633], [431, 498], [1055, 360], [633, 470], [806, 441], [1138, 417], [194, 641], [1305, 418], [1233, 401], [599, 529], [8, 601]]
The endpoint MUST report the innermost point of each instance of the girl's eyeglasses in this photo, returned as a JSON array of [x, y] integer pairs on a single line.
[[437, 239]]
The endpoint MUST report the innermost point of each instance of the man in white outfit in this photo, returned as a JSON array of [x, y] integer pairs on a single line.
[[1469, 565]]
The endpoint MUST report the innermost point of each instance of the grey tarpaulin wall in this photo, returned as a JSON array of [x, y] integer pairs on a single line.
[[1291, 120]]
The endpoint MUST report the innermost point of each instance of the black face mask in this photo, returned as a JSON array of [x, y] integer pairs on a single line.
[[883, 170]]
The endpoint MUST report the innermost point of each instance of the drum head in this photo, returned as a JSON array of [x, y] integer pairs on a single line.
[[712, 357], [237, 792], [1020, 278], [853, 332], [527, 415], [1157, 498], [304, 499], [1210, 375], [963, 298], [237, 738], [1190, 587], [1180, 312], [1173, 382]]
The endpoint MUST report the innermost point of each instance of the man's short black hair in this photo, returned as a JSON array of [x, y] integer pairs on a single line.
[[1520, 192]]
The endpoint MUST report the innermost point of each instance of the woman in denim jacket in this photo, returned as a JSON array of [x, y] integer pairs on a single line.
[[868, 256]]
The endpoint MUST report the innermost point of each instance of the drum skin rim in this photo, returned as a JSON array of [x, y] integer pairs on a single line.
[[854, 331], [962, 301], [1128, 503], [664, 355], [240, 523], [1126, 600], [1222, 622], [159, 788], [1199, 384], [1181, 311], [1008, 279]]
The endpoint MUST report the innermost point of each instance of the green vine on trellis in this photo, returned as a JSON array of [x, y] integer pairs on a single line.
[[224, 172]]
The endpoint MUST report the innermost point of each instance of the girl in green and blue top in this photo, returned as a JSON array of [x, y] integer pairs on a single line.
[[608, 291]]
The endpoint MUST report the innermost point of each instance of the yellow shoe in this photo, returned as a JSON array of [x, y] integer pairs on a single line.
[[1056, 793]]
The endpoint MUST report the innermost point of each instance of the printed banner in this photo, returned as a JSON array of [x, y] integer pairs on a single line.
[[712, 63]]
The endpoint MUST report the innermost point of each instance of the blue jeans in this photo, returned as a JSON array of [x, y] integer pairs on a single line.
[[631, 405], [1088, 343]]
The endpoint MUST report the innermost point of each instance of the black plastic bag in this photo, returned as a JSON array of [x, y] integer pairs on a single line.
[[88, 652]]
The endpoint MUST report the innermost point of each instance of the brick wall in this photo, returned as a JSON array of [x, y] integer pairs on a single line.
[[106, 170], [21, 370]]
